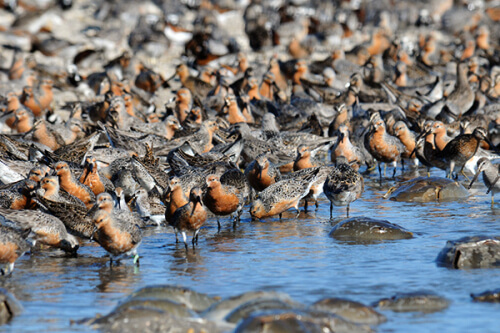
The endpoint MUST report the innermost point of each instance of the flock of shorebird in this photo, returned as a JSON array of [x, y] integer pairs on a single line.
[[111, 159]]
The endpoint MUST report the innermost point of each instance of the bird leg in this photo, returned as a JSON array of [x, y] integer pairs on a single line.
[[281, 215], [185, 239], [176, 238], [195, 236], [136, 259], [379, 171], [305, 205], [463, 173], [316, 203], [218, 225], [331, 210], [347, 210]]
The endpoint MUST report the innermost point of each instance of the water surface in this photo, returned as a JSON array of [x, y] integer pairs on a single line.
[[295, 256]]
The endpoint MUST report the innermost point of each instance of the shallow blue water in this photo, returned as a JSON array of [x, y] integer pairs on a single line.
[[295, 256]]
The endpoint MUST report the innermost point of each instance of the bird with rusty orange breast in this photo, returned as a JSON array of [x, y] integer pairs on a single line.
[[441, 138], [70, 184], [24, 120], [191, 216], [343, 185], [175, 199], [305, 158], [18, 196], [91, 178], [38, 173], [106, 202], [47, 134], [13, 244], [196, 86], [408, 139], [261, 173], [462, 148], [284, 194], [13, 104], [46, 229], [383, 146], [344, 147], [71, 210], [118, 237], [29, 100], [222, 199], [234, 114], [183, 104]]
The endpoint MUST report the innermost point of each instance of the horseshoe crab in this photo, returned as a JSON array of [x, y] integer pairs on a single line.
[[471, 252], [427, 189], [419, 301], [364, 229], [355, 312], [9, 306], [490, 296]]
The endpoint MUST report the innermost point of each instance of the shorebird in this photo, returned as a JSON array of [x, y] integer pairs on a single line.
[[47, 229], [491, 174], [408, 138], [384, 147], [70, 184], [463, 147], [344, 147], [283, 195], [18, 195], [91, 178], [261, 173], [343, 185], [118, 237], [191, 216], [175, 199], [222, 199], [13, 244]]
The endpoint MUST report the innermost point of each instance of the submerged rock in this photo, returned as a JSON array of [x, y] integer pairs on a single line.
[[297, 322], [490, 296], [364, 229], [190, 298], [471, 252], [427, 189], [419, 301], [9, 306], [350, 310]]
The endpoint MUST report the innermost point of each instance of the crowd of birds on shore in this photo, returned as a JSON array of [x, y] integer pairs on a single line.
[[97, 141]]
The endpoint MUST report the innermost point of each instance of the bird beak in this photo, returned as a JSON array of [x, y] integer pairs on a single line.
[[171, 78], [197, 201], [474, 179], [423, 134], [259, 168], [341, 137]]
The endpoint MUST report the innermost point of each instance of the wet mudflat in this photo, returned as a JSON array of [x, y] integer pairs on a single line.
[[294, 256]]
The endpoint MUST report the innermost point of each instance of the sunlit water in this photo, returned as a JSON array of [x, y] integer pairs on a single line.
[[295, 256]]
